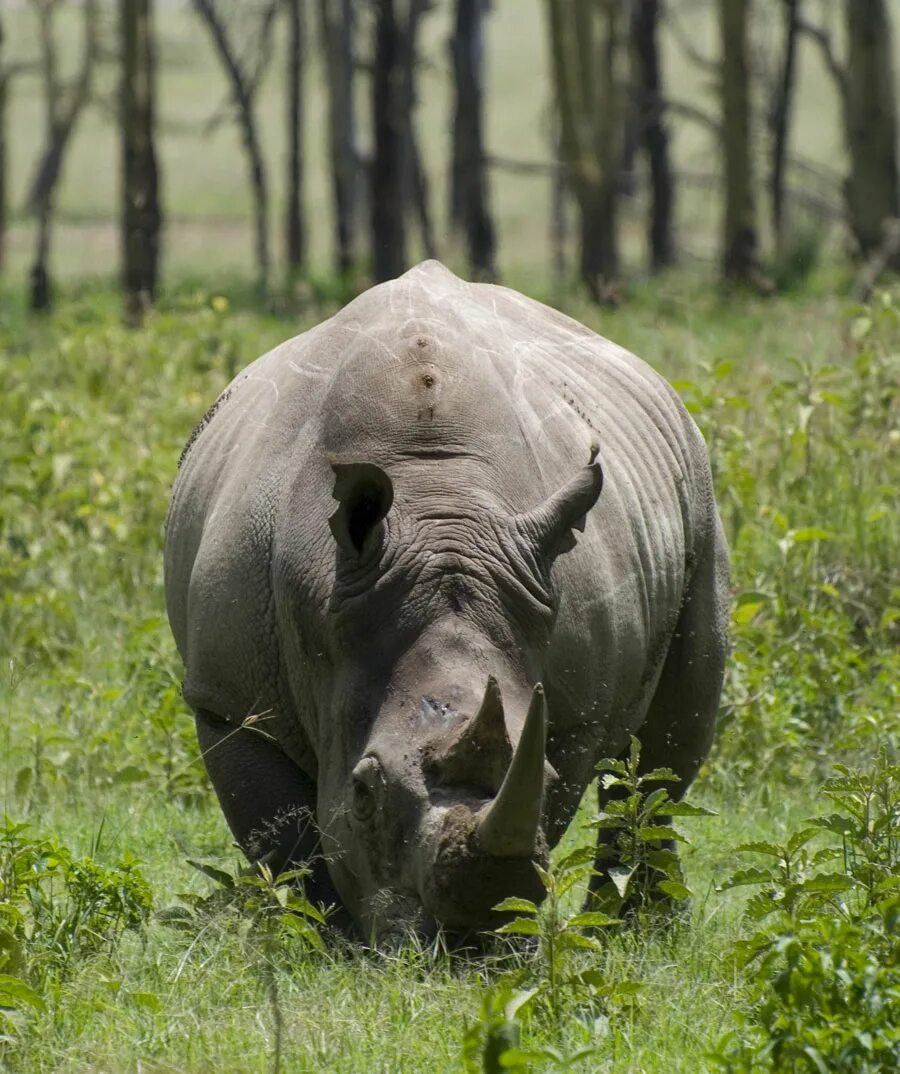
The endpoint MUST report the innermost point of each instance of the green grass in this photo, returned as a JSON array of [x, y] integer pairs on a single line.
[[797, 398]]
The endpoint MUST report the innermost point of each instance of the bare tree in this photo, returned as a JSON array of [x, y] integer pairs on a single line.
[[4, 166], [141, 213], [337, 27], [243, 80], [654, 135], [780, 116], [469, 196], [63, 106], [10, 69], [388, 165], [872, 187], [397, 174], [295, 229], [865, 86], [739, 241], [584, 37]]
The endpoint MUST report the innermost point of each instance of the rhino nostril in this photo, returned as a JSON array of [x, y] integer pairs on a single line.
[[363, 801], [367, 778]]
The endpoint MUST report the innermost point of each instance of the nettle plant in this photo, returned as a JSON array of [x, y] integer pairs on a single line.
[[824, 961], [566, 985], [638, 837]]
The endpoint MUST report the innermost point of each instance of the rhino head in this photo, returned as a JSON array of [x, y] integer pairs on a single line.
[[432, 746]]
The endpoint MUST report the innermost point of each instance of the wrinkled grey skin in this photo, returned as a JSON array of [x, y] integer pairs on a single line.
[[362, 647]]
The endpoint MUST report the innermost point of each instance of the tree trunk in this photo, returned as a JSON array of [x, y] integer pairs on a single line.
[[60, 124], [4, 163], [242, 91], [469, 200], [585, 48], [654, 135], [141, 214], [294, 223], [390, 167], [871, 123], [739, 257], [420, 193], [780, 117], [337, 30]]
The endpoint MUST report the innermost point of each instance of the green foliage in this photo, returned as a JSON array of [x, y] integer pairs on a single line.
[[57, 909], [806, 469], [637, 835], [254, 902], [556, 979], [562, 981], [824, 963]]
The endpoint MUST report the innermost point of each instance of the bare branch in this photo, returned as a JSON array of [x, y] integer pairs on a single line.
[[684, 42], [63, 104], [690, 111], [527, 167], [243, 86], [822, 38]]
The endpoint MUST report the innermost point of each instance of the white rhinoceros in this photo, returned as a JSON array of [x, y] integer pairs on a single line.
[[408, 632]]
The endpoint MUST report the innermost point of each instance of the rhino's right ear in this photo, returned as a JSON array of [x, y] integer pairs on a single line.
[[364, 493]]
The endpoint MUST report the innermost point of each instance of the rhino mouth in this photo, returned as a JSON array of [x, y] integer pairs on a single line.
[[395, 917]]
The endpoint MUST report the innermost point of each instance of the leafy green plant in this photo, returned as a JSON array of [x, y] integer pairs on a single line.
[[57, 909], [556, 978], [638, 837], [562, 984], [824, 965], [491, 1041], [255, 901]]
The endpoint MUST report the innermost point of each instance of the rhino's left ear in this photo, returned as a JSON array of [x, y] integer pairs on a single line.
[[549, 525], [364, 493]]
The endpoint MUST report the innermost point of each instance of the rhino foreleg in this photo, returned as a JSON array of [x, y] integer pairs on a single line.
[[268, 802]]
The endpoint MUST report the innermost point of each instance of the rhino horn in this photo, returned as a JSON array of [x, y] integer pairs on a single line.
[[507, 828], [482, 752], [550, 524]]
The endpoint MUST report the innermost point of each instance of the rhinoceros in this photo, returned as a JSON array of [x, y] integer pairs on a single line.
[[411, 621]]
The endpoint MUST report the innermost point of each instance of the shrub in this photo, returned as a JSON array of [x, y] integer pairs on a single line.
[[824, 963]]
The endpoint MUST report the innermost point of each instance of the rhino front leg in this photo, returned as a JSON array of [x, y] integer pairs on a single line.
[[678, 729], [268, 802]]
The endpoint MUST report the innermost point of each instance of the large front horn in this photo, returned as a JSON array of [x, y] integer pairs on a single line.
[[507, 828]]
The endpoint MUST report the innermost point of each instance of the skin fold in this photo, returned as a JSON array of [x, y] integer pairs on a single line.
[[425, 564]]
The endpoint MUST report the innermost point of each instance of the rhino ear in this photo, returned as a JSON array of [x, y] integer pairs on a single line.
[[549, 525], [364, 493]]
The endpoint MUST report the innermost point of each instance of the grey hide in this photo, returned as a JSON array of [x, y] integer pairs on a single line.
[[410, 619]]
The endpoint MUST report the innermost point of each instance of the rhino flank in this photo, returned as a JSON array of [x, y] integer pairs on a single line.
[[425, 565]]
